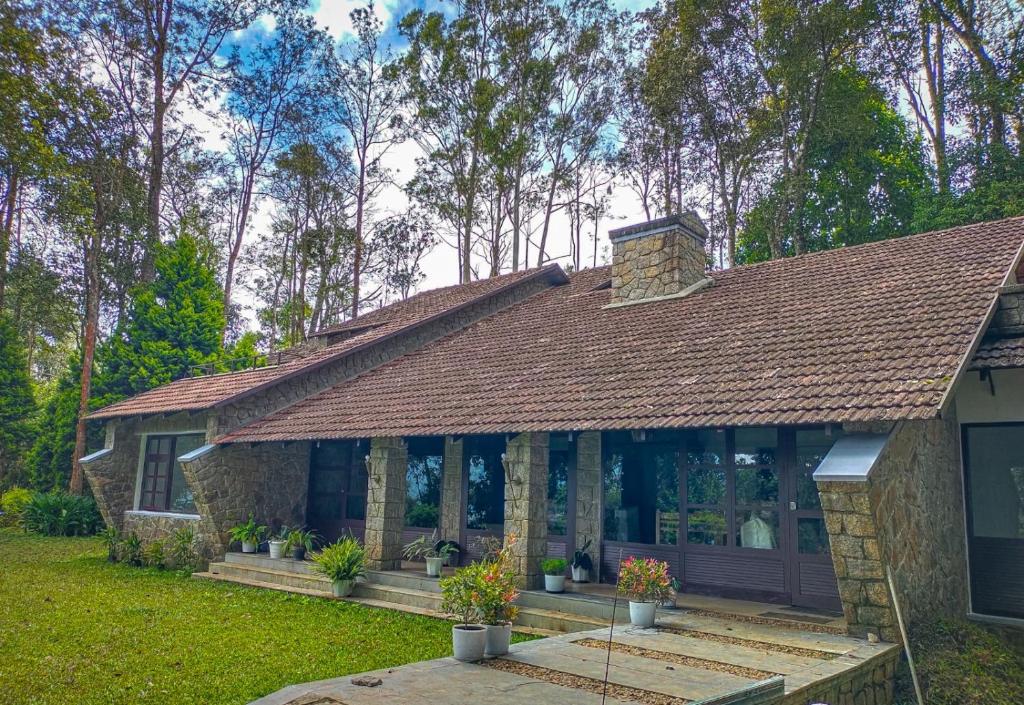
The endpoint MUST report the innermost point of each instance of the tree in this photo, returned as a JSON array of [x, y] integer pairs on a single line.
[[16, 402], [276, 79], [369, 108], [52, 456], [175, 323], [866, 174], [156, 52]]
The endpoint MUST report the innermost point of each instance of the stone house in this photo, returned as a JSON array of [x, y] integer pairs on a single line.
[[793, 432]]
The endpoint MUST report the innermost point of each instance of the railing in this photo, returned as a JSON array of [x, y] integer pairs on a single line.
[[237, 364]]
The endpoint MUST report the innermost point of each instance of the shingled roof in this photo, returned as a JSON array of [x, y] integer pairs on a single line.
[[873, 332], [208, 391]]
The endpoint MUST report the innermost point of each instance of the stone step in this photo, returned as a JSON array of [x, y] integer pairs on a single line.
[[259, 584], [271, 576], [404, 579], [422, 599], [263, 560], [556, 621]]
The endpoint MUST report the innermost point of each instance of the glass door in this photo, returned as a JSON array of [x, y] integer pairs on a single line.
[[812, 574], [994, 467]]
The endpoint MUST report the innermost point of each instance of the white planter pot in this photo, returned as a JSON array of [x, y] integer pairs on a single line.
[[641, 614], [249, 547], [342, 588], [277, 549], [498, 638], [554, 583], [434, 567], [580, 575], [468, 642]]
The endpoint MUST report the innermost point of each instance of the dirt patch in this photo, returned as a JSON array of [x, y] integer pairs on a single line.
[[752, 643], [795, 622], [691, 661], [570, 680]]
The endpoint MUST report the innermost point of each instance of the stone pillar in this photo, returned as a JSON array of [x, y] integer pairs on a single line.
[[857, 557], [589, 497], [385, 503], [526, 504], [451, 491]]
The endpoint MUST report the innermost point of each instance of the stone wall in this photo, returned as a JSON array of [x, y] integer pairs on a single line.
[[873, 683], [385, 503], [451, 491], [307, 383], [270, 480], [589, 497], [113, 477], [659, 258], [908, 517], [526, 504], [1009, 316], [156, 526]]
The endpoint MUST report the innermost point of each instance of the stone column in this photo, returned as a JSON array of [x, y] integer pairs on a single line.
[[385, 503], [451, 491], [526, 504], [856, 555], [589, 497]]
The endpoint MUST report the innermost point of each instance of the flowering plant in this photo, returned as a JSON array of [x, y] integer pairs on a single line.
[[644, 579], [496, 587]]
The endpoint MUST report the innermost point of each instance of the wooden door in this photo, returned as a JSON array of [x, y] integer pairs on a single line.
[[338, 483]]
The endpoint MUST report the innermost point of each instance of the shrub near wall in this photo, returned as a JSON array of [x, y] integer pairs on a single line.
[[59, 514], [12, 504]]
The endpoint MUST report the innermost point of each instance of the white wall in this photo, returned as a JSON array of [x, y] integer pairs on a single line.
[[976, 404]]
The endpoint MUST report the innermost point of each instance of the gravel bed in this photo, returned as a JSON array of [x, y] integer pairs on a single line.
[[753, 674], [752, 643], [570, 680], [794, 623]]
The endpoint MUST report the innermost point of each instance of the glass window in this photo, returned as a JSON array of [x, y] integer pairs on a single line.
[[558, 484], [485, 501], [756, 446], [164, 488], [706, 526], [706, 486], [756, 488], [996, 472], [423, 482], [641, 486], [811, 536]]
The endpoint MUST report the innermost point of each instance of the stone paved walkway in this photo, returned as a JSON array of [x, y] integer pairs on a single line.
[[686, 658]]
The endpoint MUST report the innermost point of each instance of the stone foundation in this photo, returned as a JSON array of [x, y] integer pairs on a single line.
[[872, 683], [269, 480], [908, 516], [385, 503], [589, 497], [526, 504]]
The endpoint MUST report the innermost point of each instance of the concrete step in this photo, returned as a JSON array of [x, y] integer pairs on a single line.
[[404, 579], [263, 560], [257, 583], [554, 620], [422, 599], [271, 576], [589, 606]]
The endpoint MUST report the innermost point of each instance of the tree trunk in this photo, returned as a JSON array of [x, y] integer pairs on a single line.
[[357, 253], [92, 297], [9, 206], [156, 164]]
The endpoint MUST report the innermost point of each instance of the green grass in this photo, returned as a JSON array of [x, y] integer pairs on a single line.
[[74, 628]]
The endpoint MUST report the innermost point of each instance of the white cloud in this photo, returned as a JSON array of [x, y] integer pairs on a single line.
[[333, 15]]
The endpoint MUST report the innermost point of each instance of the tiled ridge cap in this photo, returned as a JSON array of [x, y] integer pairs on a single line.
[[558, 277]]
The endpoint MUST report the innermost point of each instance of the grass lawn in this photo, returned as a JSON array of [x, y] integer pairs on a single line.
[[76, 629]]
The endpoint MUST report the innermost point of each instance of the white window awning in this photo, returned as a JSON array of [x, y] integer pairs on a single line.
[[852, 458]]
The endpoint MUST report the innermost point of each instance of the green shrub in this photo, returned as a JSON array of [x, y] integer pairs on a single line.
[[343, 560], [59, 514], [13, 503], [184, 552], [131, 550], [112, 542], [153, 555], [960, 663]]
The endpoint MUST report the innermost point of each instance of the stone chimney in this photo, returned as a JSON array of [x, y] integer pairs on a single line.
[[658, 258]]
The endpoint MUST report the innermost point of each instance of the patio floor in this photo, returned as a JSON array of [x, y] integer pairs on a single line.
[[686, 658]]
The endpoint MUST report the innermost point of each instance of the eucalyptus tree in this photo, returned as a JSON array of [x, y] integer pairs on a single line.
[[272, 81], [369, 105], [160, 55]]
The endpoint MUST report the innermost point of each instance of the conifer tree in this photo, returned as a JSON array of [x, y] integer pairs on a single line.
[[16, 402]]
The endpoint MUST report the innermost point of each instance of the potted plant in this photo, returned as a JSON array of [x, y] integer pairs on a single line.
[[300, 542], [435, 553], [495, 593], [646, 583], [674, 587], [342, 562], [279, 543], [554, 574], [249, 534], [458, 593], [582, 563]]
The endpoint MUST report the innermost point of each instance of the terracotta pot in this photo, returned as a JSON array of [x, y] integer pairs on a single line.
[[499, 636], [641, 614], [469, 642]]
